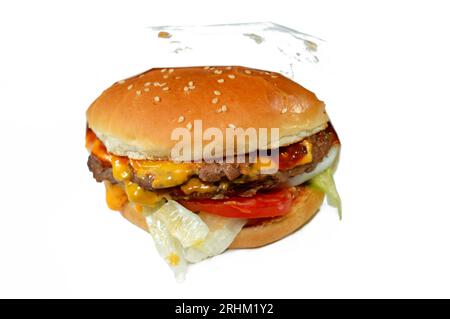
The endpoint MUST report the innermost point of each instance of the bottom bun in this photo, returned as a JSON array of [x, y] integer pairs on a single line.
[[305, 206]]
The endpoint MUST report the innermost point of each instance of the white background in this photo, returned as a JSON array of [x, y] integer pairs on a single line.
[[386, 92]]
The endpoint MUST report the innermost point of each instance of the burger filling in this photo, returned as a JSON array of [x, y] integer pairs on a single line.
[[209, 180], [195, 210]]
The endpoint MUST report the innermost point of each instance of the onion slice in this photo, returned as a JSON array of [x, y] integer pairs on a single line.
[[326, 162]]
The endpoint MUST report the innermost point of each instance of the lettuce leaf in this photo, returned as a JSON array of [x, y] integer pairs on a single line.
[[325, 183], [183, 237], [168, 246], [182, 224], [222, 232]]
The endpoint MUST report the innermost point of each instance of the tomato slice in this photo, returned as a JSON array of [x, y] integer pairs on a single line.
[[276, 203]]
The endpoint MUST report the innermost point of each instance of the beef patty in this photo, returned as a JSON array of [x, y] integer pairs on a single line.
[[229, 179]]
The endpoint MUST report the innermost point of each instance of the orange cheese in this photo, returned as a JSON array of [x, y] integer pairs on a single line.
[[165, 174], [308, 157], [263, 164], [138, 208], [196, 185], [116, 197], [120, 168], [137, 194]]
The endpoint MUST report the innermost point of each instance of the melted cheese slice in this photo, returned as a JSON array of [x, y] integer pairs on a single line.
[[120, 168], [116, 197], [308, 157], [137, 194], [165, 174], [195, 185], [262, 166]]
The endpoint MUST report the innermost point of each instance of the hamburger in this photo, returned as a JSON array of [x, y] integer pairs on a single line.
[[197, 204]]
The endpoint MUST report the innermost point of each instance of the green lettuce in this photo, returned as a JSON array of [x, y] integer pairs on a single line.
[[325, 183]]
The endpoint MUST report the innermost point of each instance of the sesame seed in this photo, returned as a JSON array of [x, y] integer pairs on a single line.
[[224, 108], [165, 76], [130, 86], [177, 77], [186, 89], [146, 89], [297, 109], [141, 75], [191, 83], [121, 82], [220, 80], [217, 92], [189, 126], [228, 68], [163, 84], [248, 72], [181, 119], [206, 67], [165, 88], [157, 99], [163, 70], [171, 70], [274, 76], [218, 71], [147, 83], [284, 110], [266, 73], [155, 83], [231, 76], [138, 92], [215, 100], [231, 126]]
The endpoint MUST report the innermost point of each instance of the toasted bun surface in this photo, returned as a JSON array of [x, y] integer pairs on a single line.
[[304, 208], [136, 117]]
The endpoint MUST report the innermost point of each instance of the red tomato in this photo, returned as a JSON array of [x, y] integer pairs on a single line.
[[271, 204]]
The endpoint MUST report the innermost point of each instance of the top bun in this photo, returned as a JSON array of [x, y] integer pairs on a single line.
[[135, 117]]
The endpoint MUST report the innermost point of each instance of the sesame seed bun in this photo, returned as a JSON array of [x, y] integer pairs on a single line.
[[135, 117], [270, 230]]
